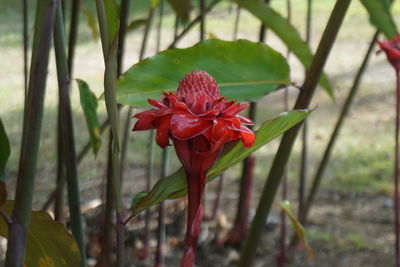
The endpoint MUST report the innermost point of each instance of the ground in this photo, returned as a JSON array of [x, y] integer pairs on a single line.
[[351, 222]]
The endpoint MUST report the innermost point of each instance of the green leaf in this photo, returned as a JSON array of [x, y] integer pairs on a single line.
[[182, 8], [91, 22], [89, 106], [286, 32], [381, 17], [5, 150], [174, 186], [48, 242], [300, 231], [244, 70], [135, 24]]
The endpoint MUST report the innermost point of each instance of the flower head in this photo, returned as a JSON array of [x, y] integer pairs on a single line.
[[199, 122], [196, 117], [392, 50]]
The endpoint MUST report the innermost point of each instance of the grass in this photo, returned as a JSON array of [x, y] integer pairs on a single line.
[[361, 161]]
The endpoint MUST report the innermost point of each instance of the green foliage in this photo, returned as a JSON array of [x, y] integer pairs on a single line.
[[244, 70], [48, 242], [136, 24], [89, 106], [91, 22], [299, 229], [4, 150], [174, 186], [286, 32], [381, 17], [182, 8]]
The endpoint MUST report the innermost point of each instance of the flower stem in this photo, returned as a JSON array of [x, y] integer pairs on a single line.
[[196, 184], [285, 147]]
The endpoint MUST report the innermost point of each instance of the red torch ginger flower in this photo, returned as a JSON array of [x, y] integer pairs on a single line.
[[199, 122], [392, 50]]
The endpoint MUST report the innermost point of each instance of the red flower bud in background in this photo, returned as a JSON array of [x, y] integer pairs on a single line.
[[392, 50], [199, 122]]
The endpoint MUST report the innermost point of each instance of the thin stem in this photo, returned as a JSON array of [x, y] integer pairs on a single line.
[[343, 114], [283, 225], [59, 210], [282, 156], [128, 119], [26, 45], [178, 37], [45, 13], [202, 19], [161, 214], [397, 173], [236, 23], [73, 33], [149, 176], [159, 25], [304, 137], [123, 23], [67, 135], [109, 38]]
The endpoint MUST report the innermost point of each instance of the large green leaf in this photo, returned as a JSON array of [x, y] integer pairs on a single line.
[[89, 106], [182, 8], [244, 70], [48, 243], [174, 186], [381, 17], [4, 150], [285, 31]]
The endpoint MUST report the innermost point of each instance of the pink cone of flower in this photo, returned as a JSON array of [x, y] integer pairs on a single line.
[[199, 122]]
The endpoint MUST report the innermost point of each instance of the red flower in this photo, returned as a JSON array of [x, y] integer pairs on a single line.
[[199, 122], [392, 50]]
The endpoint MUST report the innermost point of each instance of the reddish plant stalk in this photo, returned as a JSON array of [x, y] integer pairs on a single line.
[[397, 171], [239, 230], [196, 183]]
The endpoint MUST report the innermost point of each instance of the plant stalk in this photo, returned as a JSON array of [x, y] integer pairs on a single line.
[[178, 37], [397, 173], [67, 136], [202, 19], [304, 137], [343, 114], [160, 261], [45, 13], [73, 34], [283, 153], [109, 39], [236, 23]]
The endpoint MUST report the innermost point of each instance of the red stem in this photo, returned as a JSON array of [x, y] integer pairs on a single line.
[[397, 171], [196, 184]]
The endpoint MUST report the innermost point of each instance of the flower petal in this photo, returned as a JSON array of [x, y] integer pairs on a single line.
[[162, 134], [248, 137], [185, 126], [144, 123], [244, 119]]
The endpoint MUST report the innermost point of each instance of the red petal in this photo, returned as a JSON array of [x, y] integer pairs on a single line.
[[248, 137], [219, 130], [156, 103], [162, 134], [185, 126], [235, 109], [144, 123], [244, 119]]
